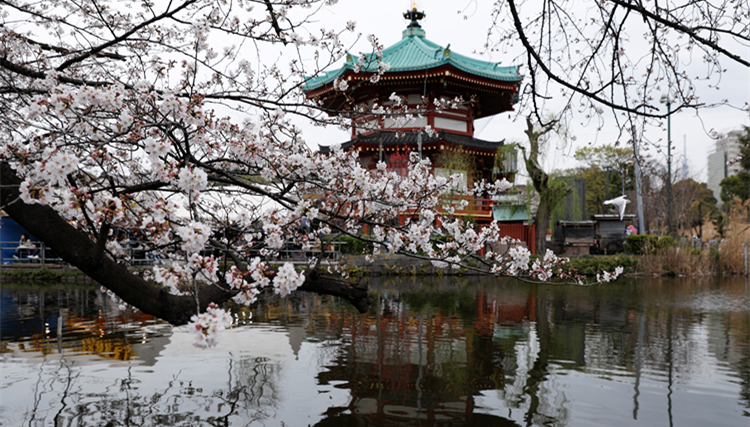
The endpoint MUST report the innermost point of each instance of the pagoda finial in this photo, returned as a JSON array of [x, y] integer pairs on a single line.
[[414, 15]]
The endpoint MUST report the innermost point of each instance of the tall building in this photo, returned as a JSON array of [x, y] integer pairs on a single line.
[[719, 162]]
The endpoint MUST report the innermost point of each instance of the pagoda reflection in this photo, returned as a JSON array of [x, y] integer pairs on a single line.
[[417, 362]]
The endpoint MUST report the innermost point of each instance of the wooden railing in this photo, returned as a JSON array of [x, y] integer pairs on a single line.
[[476, 207]]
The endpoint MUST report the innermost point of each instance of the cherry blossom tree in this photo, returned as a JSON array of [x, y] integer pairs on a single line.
[[152, 118], [586, 57]]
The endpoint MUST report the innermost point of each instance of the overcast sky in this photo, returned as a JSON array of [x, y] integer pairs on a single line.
[[464, 23]]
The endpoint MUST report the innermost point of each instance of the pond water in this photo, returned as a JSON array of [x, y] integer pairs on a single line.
[[431, 352]]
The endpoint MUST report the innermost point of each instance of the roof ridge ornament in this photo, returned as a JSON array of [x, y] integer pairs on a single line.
[[415, 16]]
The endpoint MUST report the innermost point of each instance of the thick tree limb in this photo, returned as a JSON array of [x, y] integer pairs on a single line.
[[78, 249], [355, 293]]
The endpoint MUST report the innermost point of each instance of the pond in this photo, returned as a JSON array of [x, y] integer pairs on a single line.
[[431, 352]]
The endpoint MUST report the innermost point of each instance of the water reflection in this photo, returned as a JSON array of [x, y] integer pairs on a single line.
[[423, 367], [430, 353], [74, 321]]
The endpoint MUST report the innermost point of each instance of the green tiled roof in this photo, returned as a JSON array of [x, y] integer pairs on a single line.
[[510, 213], [414, 52]]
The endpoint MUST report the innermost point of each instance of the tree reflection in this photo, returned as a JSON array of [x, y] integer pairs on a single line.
[[61, 394]]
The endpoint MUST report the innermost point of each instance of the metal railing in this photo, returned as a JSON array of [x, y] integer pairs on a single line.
[[11, 253], [294, 252], [137, 254]]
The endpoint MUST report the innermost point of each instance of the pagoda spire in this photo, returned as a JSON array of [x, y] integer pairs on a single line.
[[414, 15]]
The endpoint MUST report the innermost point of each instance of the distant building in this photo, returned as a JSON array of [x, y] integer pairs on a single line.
[[719, 167]]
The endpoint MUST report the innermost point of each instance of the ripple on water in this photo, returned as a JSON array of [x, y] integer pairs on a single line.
[[713, 301]]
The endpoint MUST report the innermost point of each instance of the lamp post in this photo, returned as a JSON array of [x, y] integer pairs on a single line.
[[607, 168], [639, 196], [665, 100]]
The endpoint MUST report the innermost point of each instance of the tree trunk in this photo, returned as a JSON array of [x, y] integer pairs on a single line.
[[543, 214], [76, 248], [549, 196]]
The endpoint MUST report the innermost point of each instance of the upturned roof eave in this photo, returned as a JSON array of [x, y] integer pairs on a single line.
[[312, 84], [364, 75], [430, 56]]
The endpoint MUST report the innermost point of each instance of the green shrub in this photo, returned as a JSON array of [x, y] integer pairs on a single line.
[[592, 266], [40, 274], [637, 244], [644, 244], [353, 246], [665, 242]]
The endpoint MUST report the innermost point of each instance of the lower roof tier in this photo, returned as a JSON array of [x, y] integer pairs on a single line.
[[391, 140]]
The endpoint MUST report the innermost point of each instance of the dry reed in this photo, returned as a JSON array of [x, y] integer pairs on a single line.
[[726, 257], [731, 258], [676, 261]]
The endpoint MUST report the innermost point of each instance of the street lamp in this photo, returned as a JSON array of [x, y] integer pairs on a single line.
[[607, 168], [665, 100]]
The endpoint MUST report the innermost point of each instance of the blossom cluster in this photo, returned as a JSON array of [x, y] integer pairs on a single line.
[[194, 236], [207, 326], [192, 180], [171, 277], [287, 279], [248, 292], [609, 276]]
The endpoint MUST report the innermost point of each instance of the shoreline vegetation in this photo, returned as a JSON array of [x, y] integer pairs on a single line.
[[645, 256], [674, 260]]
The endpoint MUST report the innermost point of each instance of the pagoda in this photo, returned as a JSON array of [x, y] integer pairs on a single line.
[[420, 72]]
